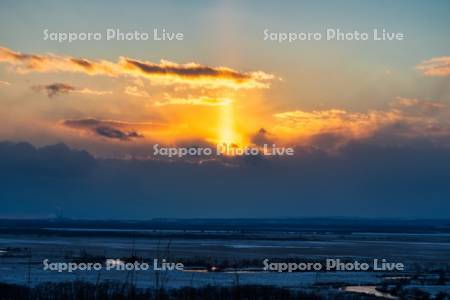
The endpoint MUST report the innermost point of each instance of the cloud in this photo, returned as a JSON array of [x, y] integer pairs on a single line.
[[437, 66], [55, 63], [92, 122], [164, 72], [261, 137], [32, 61], [56, 89], [333, 121], [136, 91], [93, 92], [114, 133], [413, 106], [49, 161], [196, 74], [110, 129], [362, 179], [405, 119], [203, 101]]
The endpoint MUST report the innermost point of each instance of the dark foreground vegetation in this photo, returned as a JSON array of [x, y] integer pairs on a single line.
[[79, 290], [108, 290]]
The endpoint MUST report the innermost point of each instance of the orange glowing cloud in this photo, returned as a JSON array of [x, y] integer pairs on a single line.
[[416, 117], [437, 66], [203, 101], [354, 125], [54, 63], [165, 72]]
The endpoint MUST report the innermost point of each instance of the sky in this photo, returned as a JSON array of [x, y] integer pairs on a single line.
[[369, 120]]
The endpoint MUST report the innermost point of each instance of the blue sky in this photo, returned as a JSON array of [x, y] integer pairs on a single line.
[[230, 33]]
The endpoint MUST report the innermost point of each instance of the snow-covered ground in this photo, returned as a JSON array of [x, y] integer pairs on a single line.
[[17, 267]]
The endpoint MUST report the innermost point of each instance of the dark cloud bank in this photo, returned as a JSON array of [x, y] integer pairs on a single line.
[[363, 180]]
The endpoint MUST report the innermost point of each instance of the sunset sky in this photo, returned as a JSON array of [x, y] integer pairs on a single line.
[[224, 83]]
